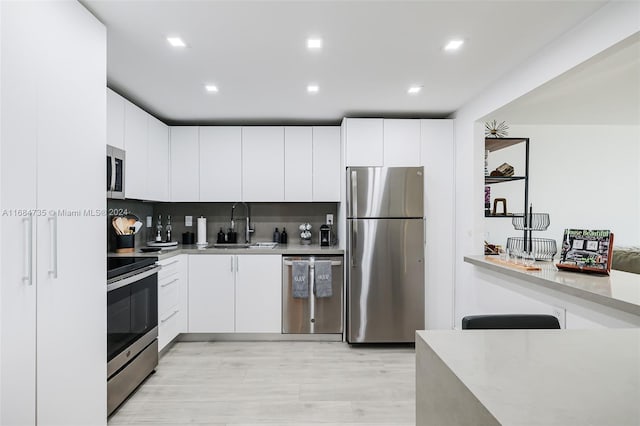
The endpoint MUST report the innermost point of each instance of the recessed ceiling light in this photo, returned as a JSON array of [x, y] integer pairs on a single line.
[[211, 88], [313, 88], [414, 90], [454, 45], [176, 42], [314, 43]]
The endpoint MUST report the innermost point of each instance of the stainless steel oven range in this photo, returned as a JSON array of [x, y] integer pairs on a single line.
[[132, 325]]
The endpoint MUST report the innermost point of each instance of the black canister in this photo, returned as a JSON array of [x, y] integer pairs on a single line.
[[125, 243], [221, 238], [188, 238], [232, 236]]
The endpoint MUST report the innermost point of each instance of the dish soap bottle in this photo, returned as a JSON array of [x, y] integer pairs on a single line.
[[276, 236], [221, 237], [283, 236]]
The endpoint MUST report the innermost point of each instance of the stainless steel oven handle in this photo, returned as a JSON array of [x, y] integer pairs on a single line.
[[28, 250], [129, 280]]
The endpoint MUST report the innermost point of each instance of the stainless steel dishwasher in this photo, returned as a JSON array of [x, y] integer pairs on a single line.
[[312, 314]]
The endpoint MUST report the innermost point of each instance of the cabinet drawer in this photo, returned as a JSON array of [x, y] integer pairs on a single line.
[[168, 326], [168, 294], [170, 267]]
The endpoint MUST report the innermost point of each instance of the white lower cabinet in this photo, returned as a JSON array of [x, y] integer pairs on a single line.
[[172, 299], [234, 293], [258, 293], [211, 293]]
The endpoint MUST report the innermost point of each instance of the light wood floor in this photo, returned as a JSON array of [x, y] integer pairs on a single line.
[[276, 383]]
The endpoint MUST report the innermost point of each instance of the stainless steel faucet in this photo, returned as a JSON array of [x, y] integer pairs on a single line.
[[248, 230]]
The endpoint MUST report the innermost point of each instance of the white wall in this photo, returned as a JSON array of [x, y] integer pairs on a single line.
[[585, 177], [609, 25]]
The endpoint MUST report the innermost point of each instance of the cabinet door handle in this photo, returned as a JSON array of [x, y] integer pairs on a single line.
[[169, 283], [166, 265], [237, 264], [169, 317], [231, 259], [28, 250], [53, 234]]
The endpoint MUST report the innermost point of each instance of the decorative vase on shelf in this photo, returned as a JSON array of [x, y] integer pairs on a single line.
[[305, 233]]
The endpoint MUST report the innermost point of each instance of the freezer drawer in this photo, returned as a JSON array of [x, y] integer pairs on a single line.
[[385, 280], [312, 315]]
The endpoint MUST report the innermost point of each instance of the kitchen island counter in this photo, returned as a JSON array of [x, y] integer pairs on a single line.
[[619, 291], [528, 377]]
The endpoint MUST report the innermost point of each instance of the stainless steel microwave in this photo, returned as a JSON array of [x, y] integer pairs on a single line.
[[115, 172]]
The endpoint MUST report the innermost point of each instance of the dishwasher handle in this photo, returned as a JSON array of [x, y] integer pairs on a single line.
[[290, 262]]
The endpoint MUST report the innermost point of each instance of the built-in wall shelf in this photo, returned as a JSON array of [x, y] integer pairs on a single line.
[[499, 179], [495, 144]]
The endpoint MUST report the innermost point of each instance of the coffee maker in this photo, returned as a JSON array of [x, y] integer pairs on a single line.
[[326, 236]]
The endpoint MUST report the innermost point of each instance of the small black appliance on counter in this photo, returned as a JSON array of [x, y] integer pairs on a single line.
[[326, 236]]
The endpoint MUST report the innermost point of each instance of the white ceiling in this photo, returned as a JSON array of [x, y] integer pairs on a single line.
[[255, 52], [605, 90]]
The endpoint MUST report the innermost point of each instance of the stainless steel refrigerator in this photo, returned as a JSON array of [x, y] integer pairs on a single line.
[[385, 254]]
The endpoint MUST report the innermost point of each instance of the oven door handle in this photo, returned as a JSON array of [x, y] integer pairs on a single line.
[[129, 280]]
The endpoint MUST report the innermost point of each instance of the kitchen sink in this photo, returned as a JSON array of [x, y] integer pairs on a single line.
[[264, 245]]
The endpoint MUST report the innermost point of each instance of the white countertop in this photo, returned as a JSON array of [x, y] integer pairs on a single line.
[[281, 249], [620, 290], [542, 377]]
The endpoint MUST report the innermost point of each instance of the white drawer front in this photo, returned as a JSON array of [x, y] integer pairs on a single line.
[[168, 294], [169, 269], [168, 326]]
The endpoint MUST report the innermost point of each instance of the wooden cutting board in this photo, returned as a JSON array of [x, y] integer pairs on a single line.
[[512, 265]]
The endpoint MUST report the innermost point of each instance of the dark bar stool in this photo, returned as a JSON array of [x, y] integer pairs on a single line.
[[509, 321]]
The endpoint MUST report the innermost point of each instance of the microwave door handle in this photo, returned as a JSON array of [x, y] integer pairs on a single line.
[[113, 173]]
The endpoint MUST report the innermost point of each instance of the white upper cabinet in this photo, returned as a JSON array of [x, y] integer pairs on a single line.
[[220, 163], [326, 163], [382, 142], [402, 143], [263, 163], [135, 144], [115, 119], [298, 164], [157, 161], [185, 174], [364, 144]]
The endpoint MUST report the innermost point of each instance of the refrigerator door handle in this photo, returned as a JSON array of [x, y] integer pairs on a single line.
[[354, 236], [354, 193]]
